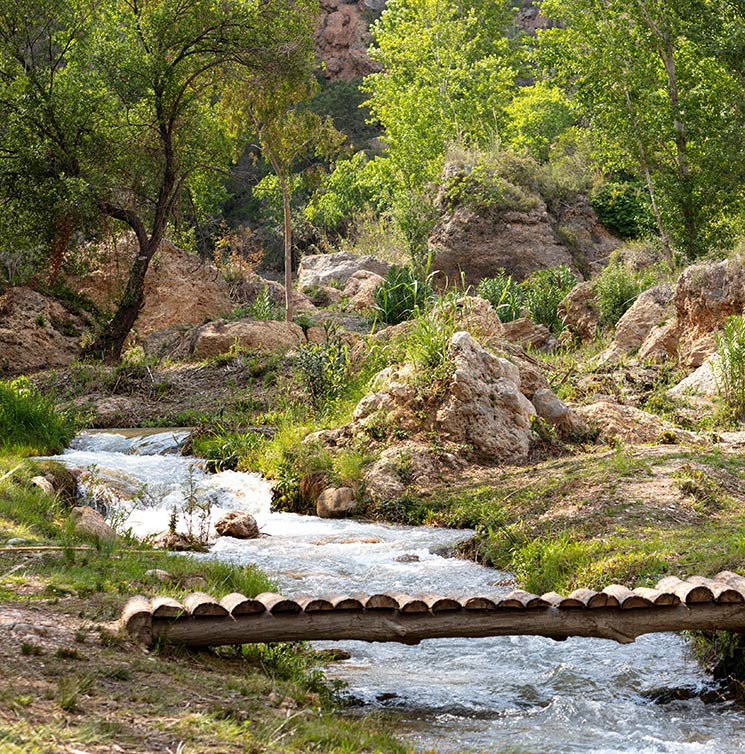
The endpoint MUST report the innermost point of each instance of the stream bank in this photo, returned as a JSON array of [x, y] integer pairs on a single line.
[[467, 695]]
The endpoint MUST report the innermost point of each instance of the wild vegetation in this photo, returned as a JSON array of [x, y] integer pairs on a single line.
[[127, 117]]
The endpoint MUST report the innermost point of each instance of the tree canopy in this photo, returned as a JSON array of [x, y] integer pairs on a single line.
[[113, 110]]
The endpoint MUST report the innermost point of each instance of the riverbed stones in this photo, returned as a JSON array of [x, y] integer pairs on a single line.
[[238, 524], [336, 502]]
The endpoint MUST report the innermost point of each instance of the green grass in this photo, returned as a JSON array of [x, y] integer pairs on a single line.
[[29, 424]]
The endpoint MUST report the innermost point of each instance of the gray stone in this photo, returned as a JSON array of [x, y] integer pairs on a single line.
[[318, 270]]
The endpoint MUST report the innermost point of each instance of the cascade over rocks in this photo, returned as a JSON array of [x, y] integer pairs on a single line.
[[37, 332]]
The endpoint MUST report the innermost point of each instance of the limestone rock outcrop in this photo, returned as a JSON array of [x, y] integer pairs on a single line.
[[652, 309], [217, 338], [317, 270], [705, 295], [37, 332], [343, 37], [629, 424], [180, 288], [579, 311]]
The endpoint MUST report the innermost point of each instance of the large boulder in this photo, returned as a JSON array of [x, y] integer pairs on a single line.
[[336, 502], [318, 270], [90, 522], [528, 334], [37, 332], [478, 245], [217, 338], [360, 289], [650, 310], [180, 288], [483, 406], [705, 295], [579, 311]]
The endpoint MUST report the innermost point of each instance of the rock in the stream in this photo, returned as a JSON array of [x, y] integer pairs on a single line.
[[91, 522], [238, 524], [336, 502], [44, 485]]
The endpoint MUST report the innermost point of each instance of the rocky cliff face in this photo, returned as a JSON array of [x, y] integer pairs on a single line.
[[343, 36]]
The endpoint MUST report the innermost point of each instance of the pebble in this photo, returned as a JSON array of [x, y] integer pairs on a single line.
[[16, 542]]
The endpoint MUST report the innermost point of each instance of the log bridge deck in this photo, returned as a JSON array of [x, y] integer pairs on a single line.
[[614, 613]]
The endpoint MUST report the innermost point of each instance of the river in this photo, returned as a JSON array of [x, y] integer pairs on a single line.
[[522, 695]]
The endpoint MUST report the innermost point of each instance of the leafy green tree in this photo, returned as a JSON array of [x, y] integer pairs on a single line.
[[446, 78], [113, 111], [287, 134], [659, 105]]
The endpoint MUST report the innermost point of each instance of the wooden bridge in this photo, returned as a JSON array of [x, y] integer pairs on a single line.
[[614, 613]]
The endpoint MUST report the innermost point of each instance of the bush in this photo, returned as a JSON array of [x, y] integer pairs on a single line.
[[29, 423], [622, 209], [544, 291], [504, 294], [617, 287], [729, 367], [538, 296], [324, 369], [401, 295]]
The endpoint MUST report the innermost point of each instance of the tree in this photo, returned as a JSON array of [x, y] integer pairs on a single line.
[[658, 104], [113, 109], [287, 132], [446, 79]]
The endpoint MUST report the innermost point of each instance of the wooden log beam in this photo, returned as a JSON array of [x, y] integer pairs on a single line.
[[618, 624]]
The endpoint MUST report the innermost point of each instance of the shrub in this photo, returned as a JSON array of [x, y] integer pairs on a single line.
[[401, 295], [504, 294], [324, 369], [729, 367], [544, 291], [622, 209], [617, 287], [29, 422]]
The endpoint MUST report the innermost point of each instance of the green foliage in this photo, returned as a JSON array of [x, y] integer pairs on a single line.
[[623, 209], [29, 422], [445, 79], [729, 366], [401, 295], [544, 291], [483, 188], [536, 117], [504, 294], [538, 296], [669, 114], [263, 307], [324, 369], [617, 287]]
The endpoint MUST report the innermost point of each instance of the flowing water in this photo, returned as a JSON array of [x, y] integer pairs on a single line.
[[507, 694]]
